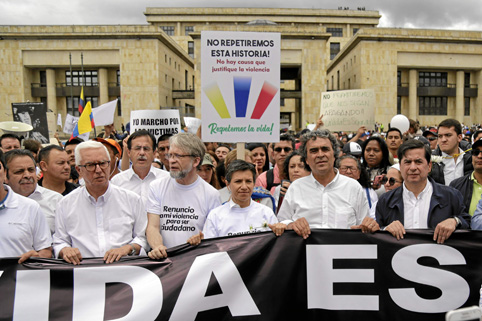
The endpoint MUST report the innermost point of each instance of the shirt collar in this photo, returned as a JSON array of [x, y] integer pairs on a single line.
[[337, 174], [10, 201], [426, 190], [235, 205], [101, 198]]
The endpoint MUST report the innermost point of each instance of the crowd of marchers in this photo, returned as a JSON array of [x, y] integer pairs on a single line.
[[135, 195]]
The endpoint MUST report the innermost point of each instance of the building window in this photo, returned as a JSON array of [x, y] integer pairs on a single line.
[[118, 78], [335, 32], [119, 107], [399, 78], [43, 78], [169, 30], [334, 49], [432, 79], [467, 80], [188, 30], [399, 105], [190, 49], [466, 106], [355, 30], [73, 105], [89, 79], [282, 102], [433, 105]]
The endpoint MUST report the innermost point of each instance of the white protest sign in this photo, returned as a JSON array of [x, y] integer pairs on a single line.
[[240, 80], [348, 110], [157, 122], [70, 122], [192, 124]]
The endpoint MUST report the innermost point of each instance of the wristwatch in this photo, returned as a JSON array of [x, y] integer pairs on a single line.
[[133, 250], [459, 223]]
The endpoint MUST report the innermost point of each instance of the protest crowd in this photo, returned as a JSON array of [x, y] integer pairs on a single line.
[[131, 194]]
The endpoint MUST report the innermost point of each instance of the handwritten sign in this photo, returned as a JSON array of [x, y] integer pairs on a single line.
[[348, 110]]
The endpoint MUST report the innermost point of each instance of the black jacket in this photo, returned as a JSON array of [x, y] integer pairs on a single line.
[[465, 185], [446, 202], [437, 172]]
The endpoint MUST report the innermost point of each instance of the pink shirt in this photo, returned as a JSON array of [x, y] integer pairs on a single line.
[[262, 180]]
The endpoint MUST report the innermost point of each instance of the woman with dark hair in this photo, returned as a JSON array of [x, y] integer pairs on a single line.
[[259, 154], [241, 215], [375, 159], [295, 168]]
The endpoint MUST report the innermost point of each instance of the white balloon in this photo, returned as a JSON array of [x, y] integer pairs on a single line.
[[400, 122]]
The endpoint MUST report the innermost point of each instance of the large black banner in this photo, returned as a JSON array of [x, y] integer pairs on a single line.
[[332, 275], [34, 114]]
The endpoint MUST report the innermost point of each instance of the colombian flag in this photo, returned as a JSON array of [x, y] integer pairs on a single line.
[[85, 123], [81, 101]]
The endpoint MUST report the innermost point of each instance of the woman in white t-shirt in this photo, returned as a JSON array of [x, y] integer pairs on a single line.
[[241, 215]]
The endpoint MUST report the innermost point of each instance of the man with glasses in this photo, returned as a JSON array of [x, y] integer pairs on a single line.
[[432, 136], [98, 219], [140, 147], [178, 205], [470, 185], [420, 202], [272, 178]]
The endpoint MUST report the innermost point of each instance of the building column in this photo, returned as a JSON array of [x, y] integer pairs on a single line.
[[51, 91], [103, 86], [478, 100], [459, 96], [412, 94]]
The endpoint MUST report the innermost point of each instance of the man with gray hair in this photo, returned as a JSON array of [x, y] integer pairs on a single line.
[[324, 199], [98, 219], [178, 205]]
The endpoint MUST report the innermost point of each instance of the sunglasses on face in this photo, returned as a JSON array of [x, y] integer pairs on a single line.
[[391, 181], [476, 152], [286, 149], [432, 138]]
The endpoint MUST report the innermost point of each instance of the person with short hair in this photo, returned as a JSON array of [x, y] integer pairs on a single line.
[[222, 150], [32, 145], [98, 219], [431, 135], [70, 146], [455, 161], [54, 163], [324, 199], [22, 178], [140, 147], [163, 149], [420, 202], [240, 215], [394, 139], [178, 205], [9, 141], [272, 178], [23, 229]]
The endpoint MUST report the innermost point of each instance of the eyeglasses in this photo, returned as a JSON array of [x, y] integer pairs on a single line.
[[90, 167], [139, 148], [432, 138], [344, 169], [391, 181], [163, 148], [177, 156], [286, 149], [476, 152]]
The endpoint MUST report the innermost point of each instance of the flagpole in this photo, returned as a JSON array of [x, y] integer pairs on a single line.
[[71, 93], [83, 80]]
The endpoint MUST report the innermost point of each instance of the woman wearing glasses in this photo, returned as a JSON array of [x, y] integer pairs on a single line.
[[350, 166], [393, 179]]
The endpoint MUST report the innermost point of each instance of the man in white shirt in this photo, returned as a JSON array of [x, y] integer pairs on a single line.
[[420, 202], [22, 178], [178, 205], [98, 219], [455, 162], [23, 230], [324, 199], [140, 147]]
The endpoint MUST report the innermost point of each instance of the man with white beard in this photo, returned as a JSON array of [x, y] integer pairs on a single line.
[[178, 205]]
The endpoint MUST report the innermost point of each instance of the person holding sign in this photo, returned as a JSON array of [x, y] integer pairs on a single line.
[[324, 199], [178, 205]]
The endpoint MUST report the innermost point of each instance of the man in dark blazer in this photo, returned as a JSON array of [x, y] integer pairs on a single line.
[[420, 202]]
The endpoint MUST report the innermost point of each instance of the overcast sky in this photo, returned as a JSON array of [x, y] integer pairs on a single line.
[[433, 14]]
